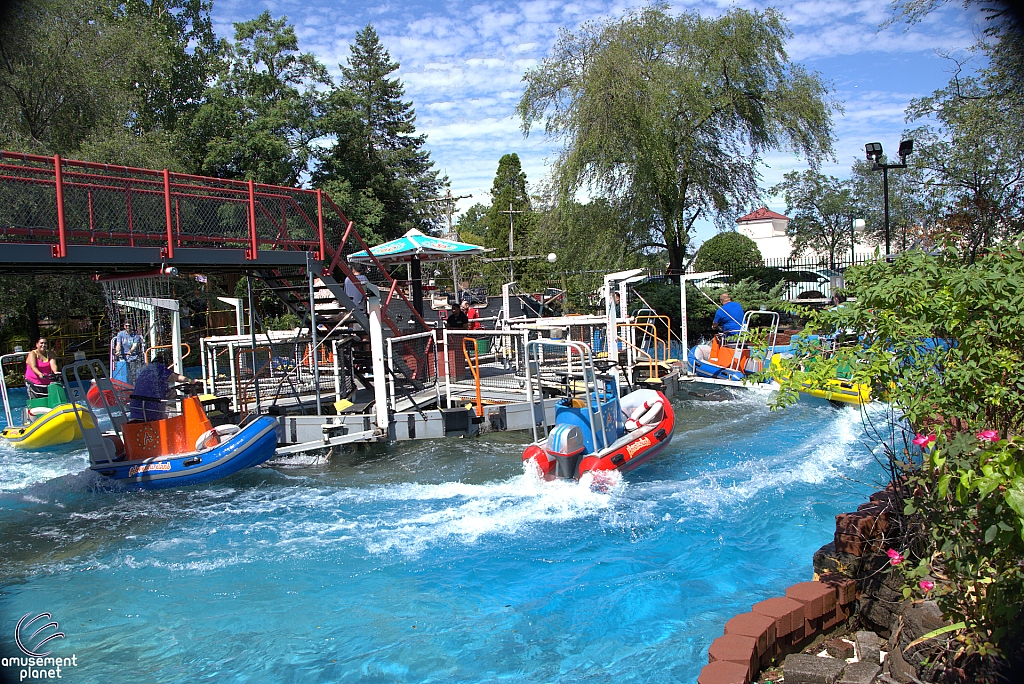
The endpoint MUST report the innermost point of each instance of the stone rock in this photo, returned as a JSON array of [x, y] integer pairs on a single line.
[[881, 595], [828, 560], [839, 648], [868, 649], [900, 669], [860, 673], [808, 669], [917, 620]]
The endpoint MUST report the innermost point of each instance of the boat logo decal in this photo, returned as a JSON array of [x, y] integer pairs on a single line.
[[149, 468], [639, 444]]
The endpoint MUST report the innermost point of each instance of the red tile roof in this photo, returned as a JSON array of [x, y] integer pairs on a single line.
[[760, 215]]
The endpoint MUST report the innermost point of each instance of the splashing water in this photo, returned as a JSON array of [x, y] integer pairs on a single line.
[[432, 561]]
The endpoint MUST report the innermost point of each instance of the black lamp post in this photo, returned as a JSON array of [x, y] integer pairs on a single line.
[[874, 154]]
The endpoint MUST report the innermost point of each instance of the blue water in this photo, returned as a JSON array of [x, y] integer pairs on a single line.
[[436, 561]]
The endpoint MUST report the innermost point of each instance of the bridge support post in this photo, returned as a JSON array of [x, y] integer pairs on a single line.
[[61, 250], [253, 247], [169, 252]]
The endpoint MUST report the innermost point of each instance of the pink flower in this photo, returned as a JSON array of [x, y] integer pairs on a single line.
[[926, 585], [895, 557], [988, 436], [924, 441]]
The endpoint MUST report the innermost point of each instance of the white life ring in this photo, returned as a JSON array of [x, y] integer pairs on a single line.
[[212, 438], [647, 413]]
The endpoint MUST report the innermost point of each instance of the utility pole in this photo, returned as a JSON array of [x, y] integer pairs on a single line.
[[449, 201], [511, 230]]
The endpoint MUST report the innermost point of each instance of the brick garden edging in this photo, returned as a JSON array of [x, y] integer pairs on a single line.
[[845, 572]]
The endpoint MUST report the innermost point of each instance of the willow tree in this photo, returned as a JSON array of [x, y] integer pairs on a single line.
[[672, 114]]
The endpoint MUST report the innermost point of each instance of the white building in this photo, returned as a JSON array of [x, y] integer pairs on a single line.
[[768, 230]]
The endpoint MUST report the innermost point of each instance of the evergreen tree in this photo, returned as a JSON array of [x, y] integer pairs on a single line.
[[509, 193], [377, 169], [260, 117]]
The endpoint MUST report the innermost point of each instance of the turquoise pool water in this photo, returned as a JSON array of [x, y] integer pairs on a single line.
[[429, 561]]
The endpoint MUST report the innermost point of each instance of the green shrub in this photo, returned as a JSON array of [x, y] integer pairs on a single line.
[[943, 341], [727, 252]]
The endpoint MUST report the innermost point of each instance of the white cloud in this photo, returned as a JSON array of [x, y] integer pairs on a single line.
[[462, 65]]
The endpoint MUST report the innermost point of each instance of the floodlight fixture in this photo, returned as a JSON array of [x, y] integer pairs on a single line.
[[873, 151], [906, 148]]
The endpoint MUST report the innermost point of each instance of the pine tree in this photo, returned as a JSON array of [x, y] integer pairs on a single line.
[[509, 191], [377, 169]]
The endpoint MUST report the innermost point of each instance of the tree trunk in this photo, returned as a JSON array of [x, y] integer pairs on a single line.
[[32, 314]]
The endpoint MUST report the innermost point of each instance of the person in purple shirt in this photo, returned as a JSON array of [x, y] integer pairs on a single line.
[[147, 400], [729, 317]]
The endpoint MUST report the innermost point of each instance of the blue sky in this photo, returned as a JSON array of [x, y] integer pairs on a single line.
[[462, 63]]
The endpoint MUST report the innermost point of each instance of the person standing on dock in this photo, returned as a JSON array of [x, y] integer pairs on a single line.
[[472, 315], [351, 289], [729, 317], [129, 347]]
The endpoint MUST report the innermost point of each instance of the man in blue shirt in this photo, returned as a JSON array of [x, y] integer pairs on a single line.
[[729, 317], [129, 348]]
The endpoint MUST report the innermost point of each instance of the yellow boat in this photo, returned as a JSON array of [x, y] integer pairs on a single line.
[[839, 389], [56, 426], [45, 421]]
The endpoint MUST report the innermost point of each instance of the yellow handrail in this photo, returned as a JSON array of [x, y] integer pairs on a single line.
[[667, 344], [188, 349], [475, 370], [648, 328]]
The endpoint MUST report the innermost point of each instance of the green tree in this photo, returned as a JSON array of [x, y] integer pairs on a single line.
[[822, 210], [377, 165], [509, 193], [589, 240], [728, 251], [102, 80], [472, 224], [673, 114], [973, 162], [260, 117]]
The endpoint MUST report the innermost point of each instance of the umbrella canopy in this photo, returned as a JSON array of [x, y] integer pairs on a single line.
[[415, 244]]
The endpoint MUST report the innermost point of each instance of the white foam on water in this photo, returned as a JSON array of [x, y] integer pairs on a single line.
[[20, 469], [829, 453]]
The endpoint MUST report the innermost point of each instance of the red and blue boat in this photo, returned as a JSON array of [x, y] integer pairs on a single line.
[[594, 430], [174, 451]]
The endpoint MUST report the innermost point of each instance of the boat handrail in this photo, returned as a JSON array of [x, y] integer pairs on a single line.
[[744, 337], [101, 449], [589, 377], [3, 383]]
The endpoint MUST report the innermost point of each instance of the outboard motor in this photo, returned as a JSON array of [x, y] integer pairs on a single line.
[[565, 446]]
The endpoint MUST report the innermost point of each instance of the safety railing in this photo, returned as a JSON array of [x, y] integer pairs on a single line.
[[636, 354], [497, 367], [413, 365]]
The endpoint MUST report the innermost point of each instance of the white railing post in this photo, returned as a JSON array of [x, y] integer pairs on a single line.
[[380, 393]]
